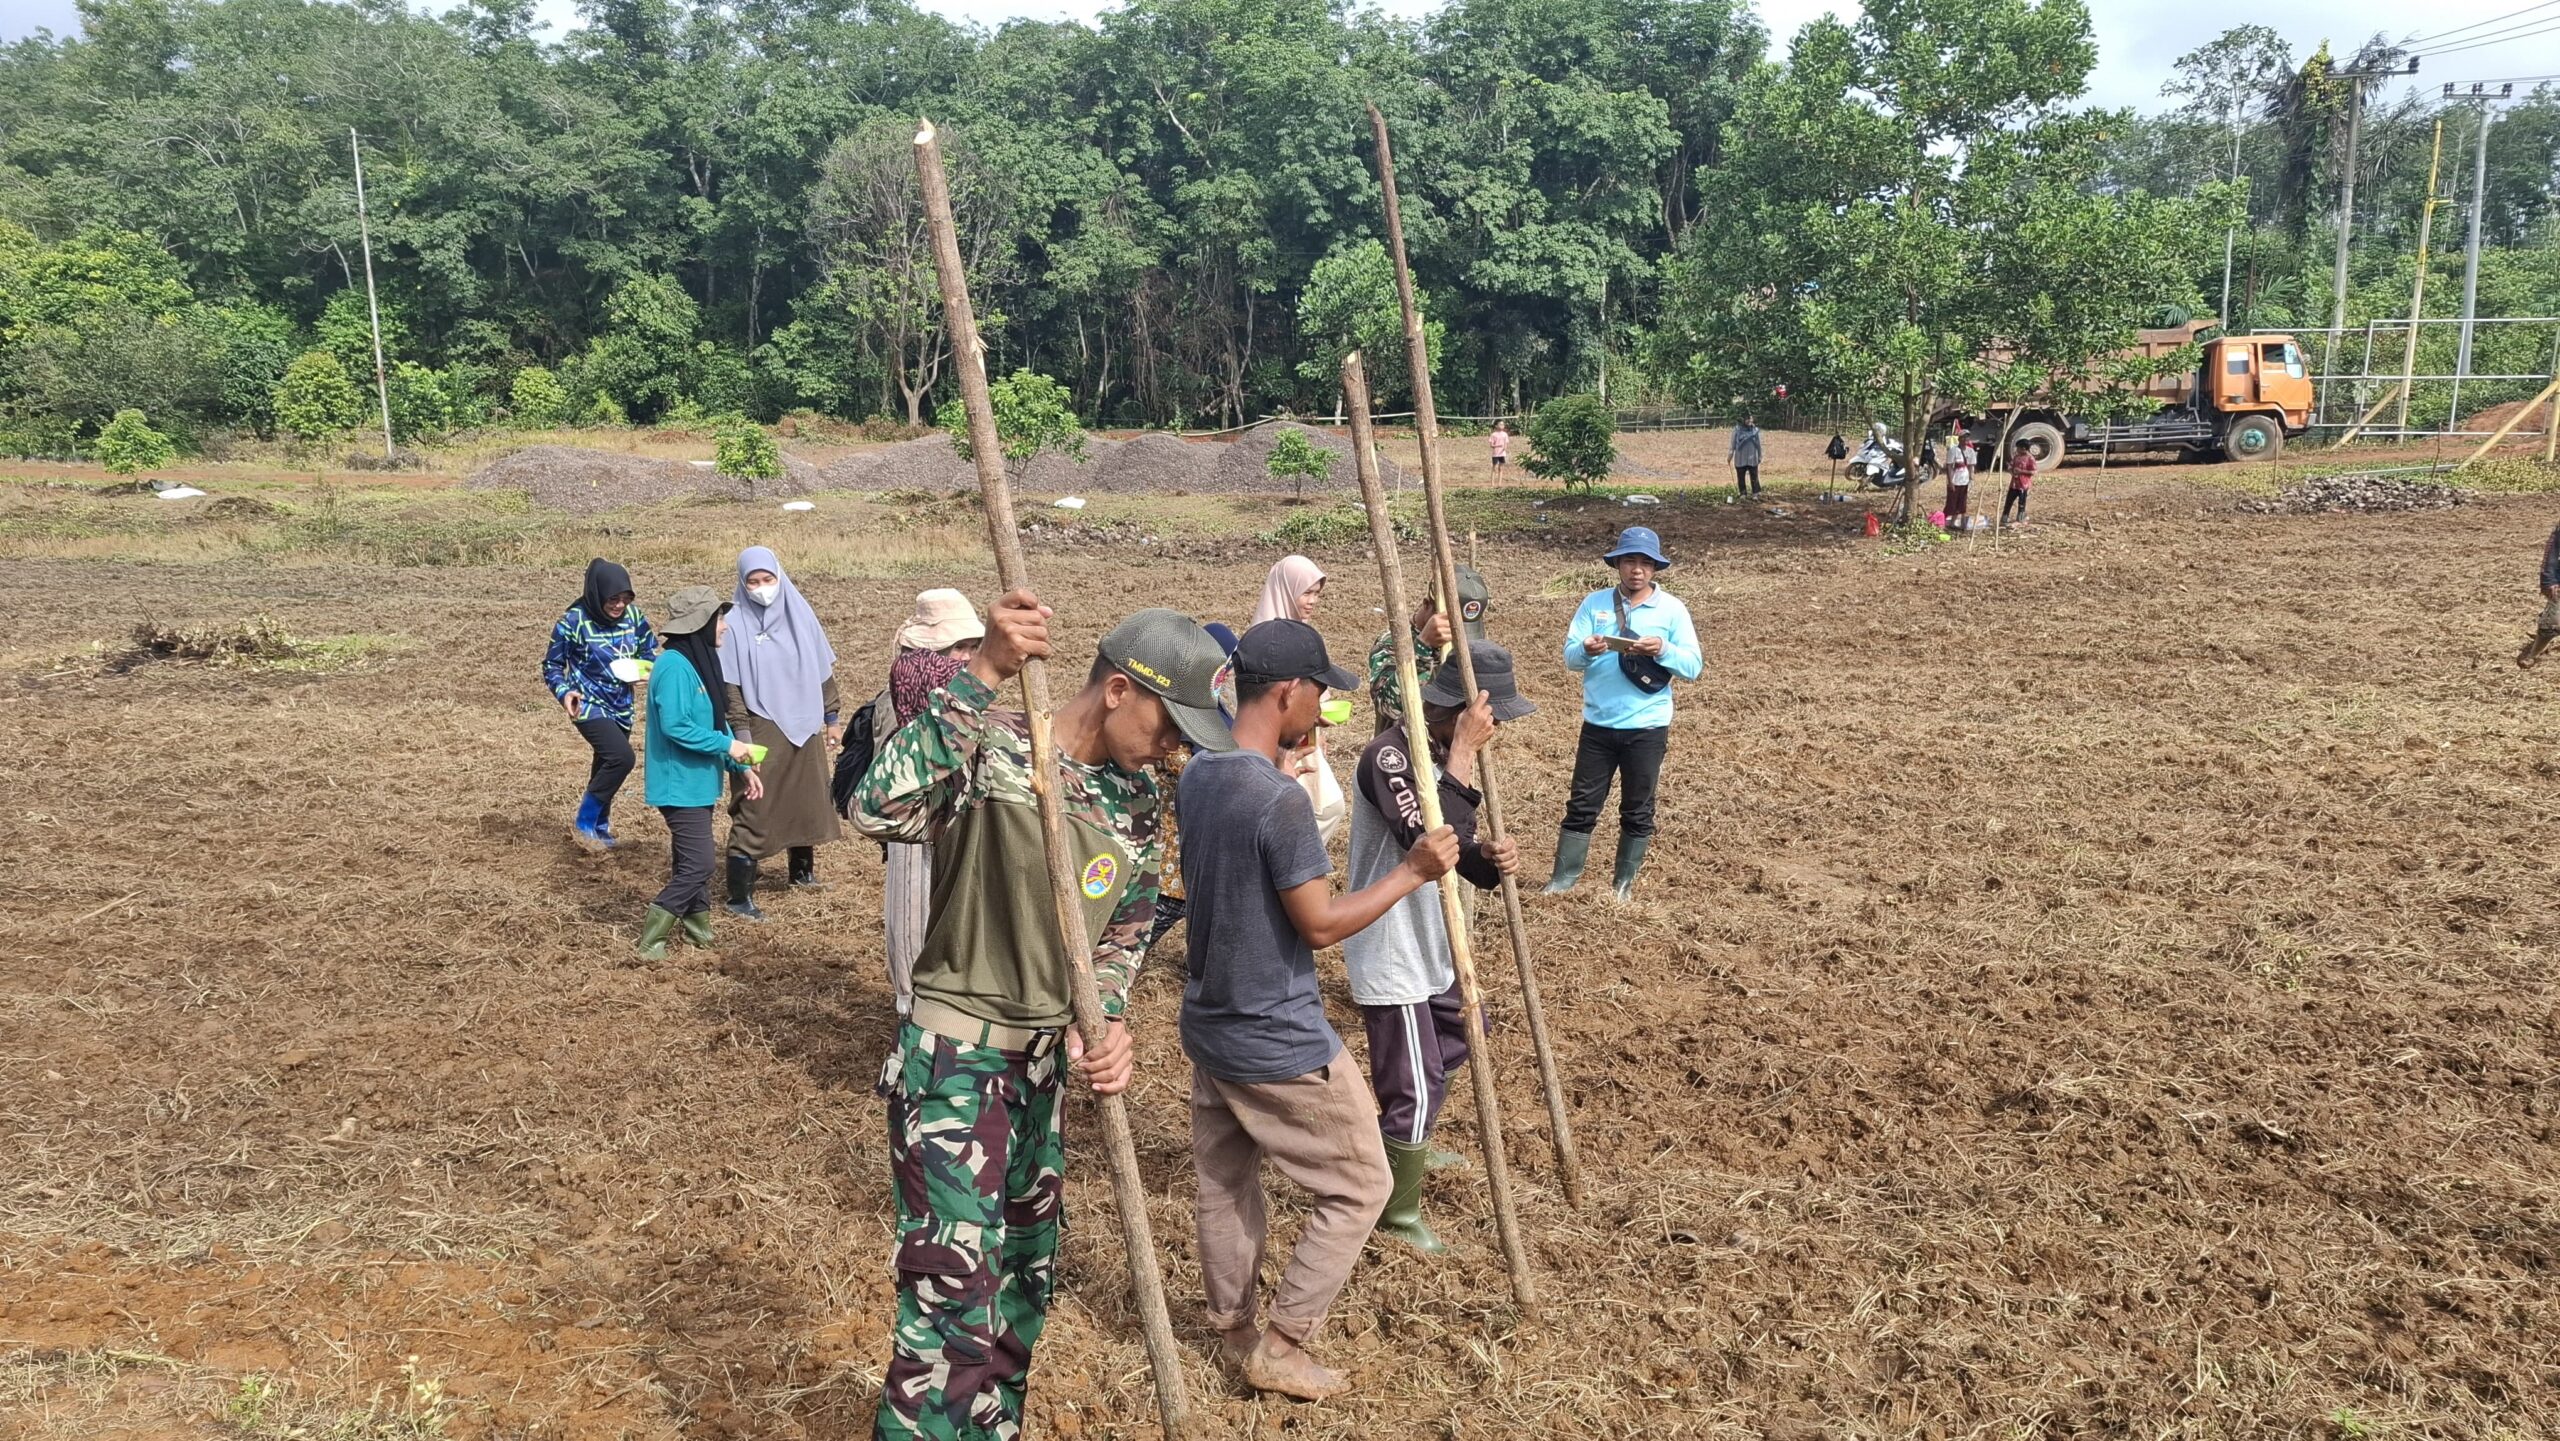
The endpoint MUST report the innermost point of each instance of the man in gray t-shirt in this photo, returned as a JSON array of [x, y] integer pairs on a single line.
[[1269, 1078]]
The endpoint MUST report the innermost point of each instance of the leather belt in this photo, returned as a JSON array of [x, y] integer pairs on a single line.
[[953, 1024]]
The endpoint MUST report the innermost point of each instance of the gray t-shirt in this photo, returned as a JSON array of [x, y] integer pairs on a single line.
[[1251, 1013]]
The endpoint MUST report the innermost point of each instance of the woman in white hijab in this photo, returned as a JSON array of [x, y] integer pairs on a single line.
[[1291, 592]]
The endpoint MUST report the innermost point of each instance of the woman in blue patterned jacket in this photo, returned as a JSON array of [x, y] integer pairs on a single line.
[[600, 647]]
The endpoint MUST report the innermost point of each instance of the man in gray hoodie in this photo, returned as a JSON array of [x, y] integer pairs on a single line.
[[1746, 458]]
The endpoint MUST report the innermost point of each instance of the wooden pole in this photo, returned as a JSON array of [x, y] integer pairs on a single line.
[[1426, 430], [2550, 393], [968, 355], [2418, 287]]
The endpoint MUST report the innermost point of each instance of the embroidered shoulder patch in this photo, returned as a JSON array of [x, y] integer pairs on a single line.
[[1099, 873]]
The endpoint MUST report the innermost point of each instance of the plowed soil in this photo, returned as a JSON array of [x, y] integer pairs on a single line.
[[2100, 986]]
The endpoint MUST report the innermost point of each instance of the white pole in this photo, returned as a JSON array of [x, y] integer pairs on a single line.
[[2225, 316], [373, 308], [2471, 262]]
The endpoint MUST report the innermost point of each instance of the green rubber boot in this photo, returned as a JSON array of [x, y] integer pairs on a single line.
[[1573, 850], [697, 929], [1631, 851], [1403, 1217], [654, 931]]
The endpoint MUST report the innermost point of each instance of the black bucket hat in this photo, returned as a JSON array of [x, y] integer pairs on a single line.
[[1495, 676]]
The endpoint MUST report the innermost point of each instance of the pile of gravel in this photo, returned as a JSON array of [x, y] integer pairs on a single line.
[[2358, 494], [587, 482], [1150, 464]]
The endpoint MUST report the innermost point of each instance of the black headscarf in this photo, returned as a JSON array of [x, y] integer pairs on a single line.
[[702, 648], [605, 580]]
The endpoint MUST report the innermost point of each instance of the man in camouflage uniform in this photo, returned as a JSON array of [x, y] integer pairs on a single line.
[[973, 1082], [1430, 636]]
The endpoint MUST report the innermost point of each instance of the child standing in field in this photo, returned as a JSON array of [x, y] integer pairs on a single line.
[[2022, 474], [1501, 443], [1959, 481], [2547, 629]]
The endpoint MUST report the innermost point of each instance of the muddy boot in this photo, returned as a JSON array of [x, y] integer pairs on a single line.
[[1291, 1372], [742, 888], [1573, 850], [1402, 1218], [697, 929], [804, 869], [2533, 648], [1631, 851], [654, 931]]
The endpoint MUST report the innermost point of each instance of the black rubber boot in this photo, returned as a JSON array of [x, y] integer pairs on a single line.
[[804, 868], [742, 888], [1402, 1218], [1631, 851], [1573, 851]]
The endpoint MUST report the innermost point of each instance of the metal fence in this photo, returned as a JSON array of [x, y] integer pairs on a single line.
[[2359, 373]]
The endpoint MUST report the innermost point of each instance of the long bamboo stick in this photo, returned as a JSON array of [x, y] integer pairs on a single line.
[[2549, 392], [1453, 915], [1426, 425], [1426, 418], [968, 356]]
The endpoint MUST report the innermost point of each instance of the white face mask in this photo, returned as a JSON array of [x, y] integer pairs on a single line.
[[764, 594]]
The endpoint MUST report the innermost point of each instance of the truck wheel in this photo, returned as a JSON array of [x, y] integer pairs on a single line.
[[2253, 437], [2042, 441]]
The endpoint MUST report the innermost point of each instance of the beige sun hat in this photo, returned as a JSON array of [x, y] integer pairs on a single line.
[[943, 619]]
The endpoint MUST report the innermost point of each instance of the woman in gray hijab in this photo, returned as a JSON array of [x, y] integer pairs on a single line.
[[781, 676]]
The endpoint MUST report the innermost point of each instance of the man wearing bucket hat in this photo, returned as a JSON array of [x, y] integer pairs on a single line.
[[1269, 1078], [1430, 637], [975, 1150], [689, 749], [1629, 643], [1401, 976]]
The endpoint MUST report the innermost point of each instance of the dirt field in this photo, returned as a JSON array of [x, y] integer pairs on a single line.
[[2097, 987]]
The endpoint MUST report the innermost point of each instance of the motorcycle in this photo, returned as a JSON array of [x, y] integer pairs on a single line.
[[1879, 463]]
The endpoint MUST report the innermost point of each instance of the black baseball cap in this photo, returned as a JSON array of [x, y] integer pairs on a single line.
[[1279, 650], [1168, 653]]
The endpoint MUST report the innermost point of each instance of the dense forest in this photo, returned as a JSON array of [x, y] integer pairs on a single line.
[[692, 209]]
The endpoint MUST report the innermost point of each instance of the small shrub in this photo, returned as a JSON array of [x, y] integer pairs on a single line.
[[128, 445], [537, 399], [882, 427], [1297, 461], [316, 400], [743, 450], [1032, 415], [1335, 528], [1574, 440]]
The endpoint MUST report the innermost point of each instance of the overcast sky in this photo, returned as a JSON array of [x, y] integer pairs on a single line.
[[2137, 39]]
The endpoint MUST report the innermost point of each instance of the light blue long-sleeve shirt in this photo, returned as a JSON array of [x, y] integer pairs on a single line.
[[1608, 697]]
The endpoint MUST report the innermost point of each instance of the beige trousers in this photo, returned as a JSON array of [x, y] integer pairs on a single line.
[[1321, 1131]]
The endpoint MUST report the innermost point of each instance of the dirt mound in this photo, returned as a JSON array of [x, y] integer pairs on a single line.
[[2363, 494], [1151, 464], [585, 482], [2498, 415]]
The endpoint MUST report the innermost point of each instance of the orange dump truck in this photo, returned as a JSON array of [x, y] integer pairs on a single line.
[[2248, 395]]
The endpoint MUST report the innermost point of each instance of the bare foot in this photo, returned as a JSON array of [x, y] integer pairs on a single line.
[[1278, 1365]]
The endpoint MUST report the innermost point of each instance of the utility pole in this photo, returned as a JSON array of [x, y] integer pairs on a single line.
[[2347, 187], [372, 307], [2224, 315], [2418, 285], [2471, 248]]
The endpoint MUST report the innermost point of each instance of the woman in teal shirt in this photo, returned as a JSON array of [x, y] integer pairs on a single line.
[[688, 753], [1629, 643]]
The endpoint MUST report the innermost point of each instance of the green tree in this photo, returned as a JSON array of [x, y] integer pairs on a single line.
[[536, 399], [128, 445], [423, 401], [1032, 415], [345, 330], [1297, 461], [743, 449], [315, 400], [645, 359], [1573, 438], [1350, 304]]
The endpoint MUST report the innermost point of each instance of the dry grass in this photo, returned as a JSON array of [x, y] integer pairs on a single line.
[[2094, 988]]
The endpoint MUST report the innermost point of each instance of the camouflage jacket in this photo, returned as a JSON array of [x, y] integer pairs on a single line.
[[959, 775], [1384, 694]]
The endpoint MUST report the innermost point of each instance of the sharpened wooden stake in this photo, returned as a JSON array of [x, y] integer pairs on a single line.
[[968, 356], [1426, 784], [1426, 425]]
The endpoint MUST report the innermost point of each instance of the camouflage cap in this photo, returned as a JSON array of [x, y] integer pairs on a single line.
[[1168, 653]]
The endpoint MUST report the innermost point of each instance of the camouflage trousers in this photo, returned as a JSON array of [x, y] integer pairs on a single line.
[[978, 1162]]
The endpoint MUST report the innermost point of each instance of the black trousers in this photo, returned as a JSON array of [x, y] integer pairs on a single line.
[[1634, 759], [2016, 499], [611, 741], [1746, 478], [689, 880]]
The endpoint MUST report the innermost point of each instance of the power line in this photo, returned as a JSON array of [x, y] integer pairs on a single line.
[[2548, 26], [2474, 25]]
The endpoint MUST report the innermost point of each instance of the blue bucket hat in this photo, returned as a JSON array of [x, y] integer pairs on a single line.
[[1638, 540]]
